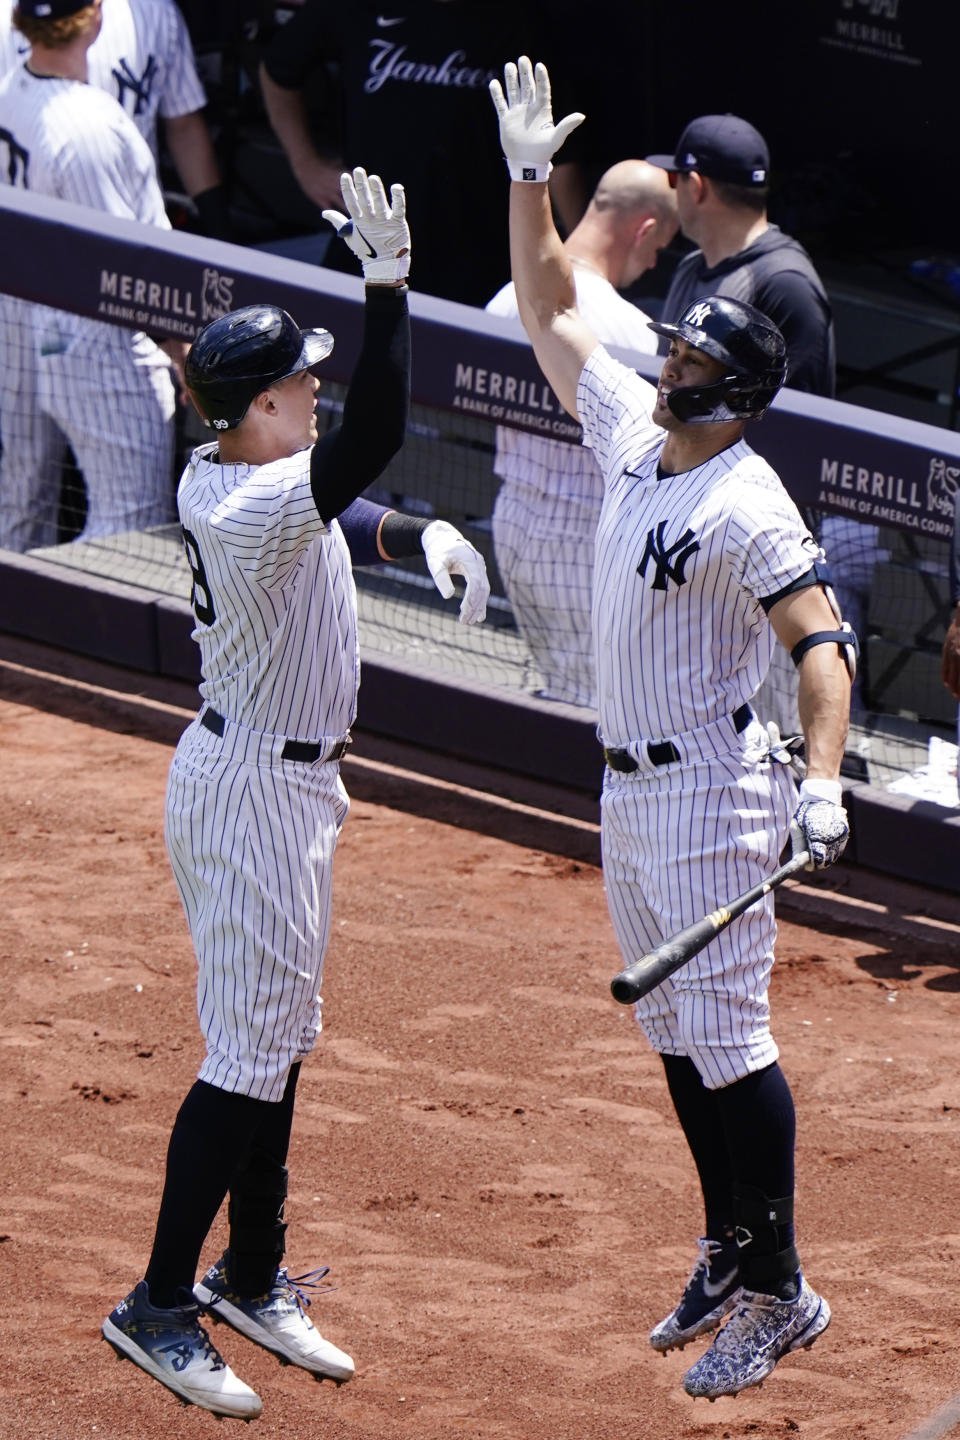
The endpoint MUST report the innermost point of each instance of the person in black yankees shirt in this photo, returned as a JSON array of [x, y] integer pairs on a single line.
[[720, 171], [412, 94]]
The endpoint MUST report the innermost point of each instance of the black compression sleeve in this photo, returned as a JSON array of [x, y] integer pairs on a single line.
[[350, 457], [400, 534]]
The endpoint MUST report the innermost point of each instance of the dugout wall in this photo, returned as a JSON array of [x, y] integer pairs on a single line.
[[124, 598]]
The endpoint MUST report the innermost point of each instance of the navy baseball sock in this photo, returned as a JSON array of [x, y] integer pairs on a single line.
[[212, 1130], [258, 1192], [759, 1125], [699, 1118]]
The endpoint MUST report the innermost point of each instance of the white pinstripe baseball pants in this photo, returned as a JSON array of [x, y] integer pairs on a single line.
[[544, 546], [678, 841], [251, 847]]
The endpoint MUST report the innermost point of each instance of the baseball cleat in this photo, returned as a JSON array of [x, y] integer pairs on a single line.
[[710, 1294], [276, 1320], [173, 1347], [761, 1330]]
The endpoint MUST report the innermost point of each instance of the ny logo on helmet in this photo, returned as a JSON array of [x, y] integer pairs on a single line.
[[697, 314], [670, 561]]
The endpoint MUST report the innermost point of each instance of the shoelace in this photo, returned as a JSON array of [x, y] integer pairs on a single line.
[[707, 1248], [299, 1284], [735, 1329], [210, 1350]]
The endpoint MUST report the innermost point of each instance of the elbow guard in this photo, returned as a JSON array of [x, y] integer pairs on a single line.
[[845, 639]]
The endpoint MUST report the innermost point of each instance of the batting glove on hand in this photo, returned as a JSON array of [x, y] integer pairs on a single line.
[[448, 553], [820, 824], [375, 231], [528, 135]]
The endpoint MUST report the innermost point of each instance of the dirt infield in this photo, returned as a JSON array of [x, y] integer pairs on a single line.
[[483, 1151]]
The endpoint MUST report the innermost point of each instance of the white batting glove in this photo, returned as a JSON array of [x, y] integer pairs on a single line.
[[820, 824], [375, 231], [528, 135], [448, 553]]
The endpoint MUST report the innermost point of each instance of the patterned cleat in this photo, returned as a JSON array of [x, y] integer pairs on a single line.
[[761, 1330], [276, 1320], [172, 1346], [711, 1293]]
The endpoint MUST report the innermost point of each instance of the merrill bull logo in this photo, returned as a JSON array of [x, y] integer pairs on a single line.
[[943, 482], [216, 295]]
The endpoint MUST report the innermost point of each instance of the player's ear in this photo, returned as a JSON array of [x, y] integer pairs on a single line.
[[264, 403]]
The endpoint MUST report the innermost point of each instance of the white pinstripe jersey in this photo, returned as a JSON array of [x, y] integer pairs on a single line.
[[556, 467], [681, 564], [66, 139], [274, 596], [143, 57]]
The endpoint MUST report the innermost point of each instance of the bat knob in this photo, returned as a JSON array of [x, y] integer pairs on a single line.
[[623, 989]]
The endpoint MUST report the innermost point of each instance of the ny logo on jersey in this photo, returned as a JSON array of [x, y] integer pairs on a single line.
[[18, 160], [139, 88], [669, 562]]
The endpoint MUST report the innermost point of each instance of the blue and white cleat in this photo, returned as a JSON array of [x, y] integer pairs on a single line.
[[711, 1293], [276, 1320], [761, 1330], [173, 1347]]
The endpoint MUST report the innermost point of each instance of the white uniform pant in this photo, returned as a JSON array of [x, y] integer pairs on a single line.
[[544, 546], [678, 841], [109, 393], [251, 848]]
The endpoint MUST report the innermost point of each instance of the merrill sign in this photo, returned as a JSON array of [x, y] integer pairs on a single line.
[[876, 497], [151, 305], [511, 400]]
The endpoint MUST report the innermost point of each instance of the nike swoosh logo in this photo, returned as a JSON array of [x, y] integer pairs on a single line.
[[370, 250], [713, 1288], [384, 23]]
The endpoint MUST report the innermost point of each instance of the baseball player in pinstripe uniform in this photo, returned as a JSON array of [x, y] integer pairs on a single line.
[[546, 509], [107, 390], [255, 801], [144, 58], [702, 563]]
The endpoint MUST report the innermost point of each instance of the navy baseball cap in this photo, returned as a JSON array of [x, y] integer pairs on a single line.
[[50, 9], [722, 147]]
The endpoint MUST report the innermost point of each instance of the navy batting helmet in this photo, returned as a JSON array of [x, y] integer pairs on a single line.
[[235, 358], [744, 341]]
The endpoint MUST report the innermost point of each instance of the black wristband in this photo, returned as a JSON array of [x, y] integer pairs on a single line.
[[377, 293], [400, 534]]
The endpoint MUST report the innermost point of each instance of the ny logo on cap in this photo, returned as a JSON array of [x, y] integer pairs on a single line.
[[697, 313]]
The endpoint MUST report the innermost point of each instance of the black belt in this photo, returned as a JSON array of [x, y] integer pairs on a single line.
[[307, 750], [664, 752]]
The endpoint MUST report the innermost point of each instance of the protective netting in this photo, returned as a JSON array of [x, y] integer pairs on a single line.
[[93, 445]]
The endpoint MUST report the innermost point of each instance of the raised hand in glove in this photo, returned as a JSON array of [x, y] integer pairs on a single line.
[[448, 553], [528, 135], [820, 824], [375, 230]]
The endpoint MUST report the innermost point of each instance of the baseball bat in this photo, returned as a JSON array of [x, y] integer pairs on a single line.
[[653, 968]]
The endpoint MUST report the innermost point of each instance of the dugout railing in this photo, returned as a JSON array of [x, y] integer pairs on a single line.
[[124, 597]]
